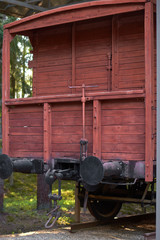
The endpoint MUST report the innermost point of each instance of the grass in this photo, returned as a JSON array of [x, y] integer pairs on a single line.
[[20, 202]]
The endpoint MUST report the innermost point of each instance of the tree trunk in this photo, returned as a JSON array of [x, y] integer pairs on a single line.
[[43, 202]]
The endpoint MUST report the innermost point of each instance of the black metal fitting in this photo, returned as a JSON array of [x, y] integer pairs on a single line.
[[23, 165]]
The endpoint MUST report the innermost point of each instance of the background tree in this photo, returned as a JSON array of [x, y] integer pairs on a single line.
[[20, 76]]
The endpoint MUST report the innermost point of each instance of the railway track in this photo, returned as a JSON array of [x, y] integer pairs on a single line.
[[121, 220]]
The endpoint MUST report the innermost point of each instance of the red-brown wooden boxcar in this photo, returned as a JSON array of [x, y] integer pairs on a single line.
[[94, 76]]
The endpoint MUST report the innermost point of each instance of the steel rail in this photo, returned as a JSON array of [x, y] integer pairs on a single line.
[[134, 218]]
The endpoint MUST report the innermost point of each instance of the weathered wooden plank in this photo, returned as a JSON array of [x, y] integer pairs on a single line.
[[123, 113], [27, 116], [47, 148], [26, 131], [123, 138], [70, 130], [119, 120], [66, 147], [53, 83], [47, 60], [127, 40], [131, 72], [97, 129], [70, 121], [120, 129], [23, 138], [26, 109], [131, 84], [123, 104], [132, 78], [102, 82], [74, 155], [130, 37], [49, 71], [24, 154], [30, 122], [131, 47], [123, 148], [131, 65], [69, 138], [5, 90], [149, 76], [49, 91], [26, 146], [123, 156]]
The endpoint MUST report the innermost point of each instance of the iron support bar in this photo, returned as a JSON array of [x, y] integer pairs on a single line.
[[25, 4]]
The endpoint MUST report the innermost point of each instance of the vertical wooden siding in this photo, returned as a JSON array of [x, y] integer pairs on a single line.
[[26, 131], [128, 51], [123, 130], [93, 49], [67, 129], [53, 61]]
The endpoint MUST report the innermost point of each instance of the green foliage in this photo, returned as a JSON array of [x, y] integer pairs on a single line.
[[20, 199], [20, 76]]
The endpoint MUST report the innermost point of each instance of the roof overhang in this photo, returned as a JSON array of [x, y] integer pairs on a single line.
[[74, 13]]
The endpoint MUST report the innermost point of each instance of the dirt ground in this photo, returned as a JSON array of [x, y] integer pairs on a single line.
[[33, 229], [120, 231]]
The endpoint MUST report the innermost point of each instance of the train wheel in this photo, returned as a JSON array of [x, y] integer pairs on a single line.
[[103, 210]]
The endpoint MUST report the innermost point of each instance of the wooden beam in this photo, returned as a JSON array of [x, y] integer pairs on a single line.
[[73, 15], [115, 52], [35, 56], [73, 58], [47, 151], [5, 90], [97, 128], [149, 78], [77, 97]]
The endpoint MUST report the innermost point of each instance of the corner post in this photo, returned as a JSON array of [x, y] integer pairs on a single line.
[[149, 79], [47, 152], [5, 95], [5, 90]]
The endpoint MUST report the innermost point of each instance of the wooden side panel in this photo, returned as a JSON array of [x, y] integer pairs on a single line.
[[123, 130], [26, 131], [54, 61], [93, 50], [67, 129], [128, 51]]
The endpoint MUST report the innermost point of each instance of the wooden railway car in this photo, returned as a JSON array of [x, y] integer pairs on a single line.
[[92, 117]]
